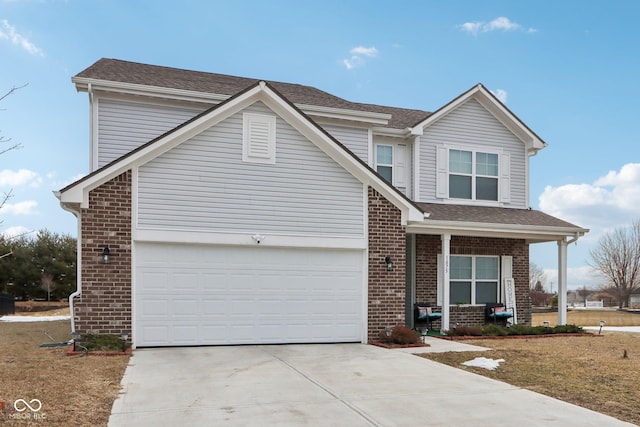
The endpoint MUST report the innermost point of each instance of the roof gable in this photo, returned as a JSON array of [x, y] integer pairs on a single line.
[[493, 105], [77, 193]]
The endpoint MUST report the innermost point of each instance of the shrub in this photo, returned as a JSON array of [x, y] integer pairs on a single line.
[[494, 330], [100, 342], [404, 335], [568, 329], [463, 330]]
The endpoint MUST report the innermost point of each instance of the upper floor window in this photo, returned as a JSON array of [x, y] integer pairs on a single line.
[[384, 161], [473, 175], [474, 279]]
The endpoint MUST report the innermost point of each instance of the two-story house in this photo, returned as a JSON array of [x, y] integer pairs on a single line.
[[229, 210]]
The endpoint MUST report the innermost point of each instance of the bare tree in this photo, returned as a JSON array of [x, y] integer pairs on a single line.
[[617, 257], [11, 146], [537, 277]]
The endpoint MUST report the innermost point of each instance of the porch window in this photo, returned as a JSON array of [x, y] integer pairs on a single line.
[[473, 279], [473, 175], [384, 162]]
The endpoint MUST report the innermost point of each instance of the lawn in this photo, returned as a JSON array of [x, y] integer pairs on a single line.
[[587, 371], [72, 390]]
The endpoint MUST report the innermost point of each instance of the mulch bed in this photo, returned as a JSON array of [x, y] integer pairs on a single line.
[[513, 337], [385, 345], [71, 352]]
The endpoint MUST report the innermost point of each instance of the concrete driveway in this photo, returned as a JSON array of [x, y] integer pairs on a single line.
[[324, 385]]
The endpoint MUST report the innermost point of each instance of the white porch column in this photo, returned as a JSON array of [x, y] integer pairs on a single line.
[[562, 282], [446, 245]]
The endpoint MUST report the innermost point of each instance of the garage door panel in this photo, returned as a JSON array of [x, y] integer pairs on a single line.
[[199, 295]]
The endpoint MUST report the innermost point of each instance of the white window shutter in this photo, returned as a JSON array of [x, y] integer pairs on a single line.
[[440, 286], [442, 173], [259, 138], [505, 177], [400, 169]]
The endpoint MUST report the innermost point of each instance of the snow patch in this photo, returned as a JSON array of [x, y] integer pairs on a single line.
[[33, 318], [483, 362]]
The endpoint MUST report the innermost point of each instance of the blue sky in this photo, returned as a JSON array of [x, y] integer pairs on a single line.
[[568, 69]]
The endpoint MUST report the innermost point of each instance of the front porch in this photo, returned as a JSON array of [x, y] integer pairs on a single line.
[[435, 276]]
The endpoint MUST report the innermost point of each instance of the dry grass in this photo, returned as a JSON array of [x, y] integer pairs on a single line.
[[588, 371], [590, 318], [73, 390]]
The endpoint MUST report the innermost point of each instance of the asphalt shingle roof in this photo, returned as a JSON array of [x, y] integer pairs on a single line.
[[492, 215], [116, 70]]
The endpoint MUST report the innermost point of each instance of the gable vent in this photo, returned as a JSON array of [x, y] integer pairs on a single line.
[[259, 138]]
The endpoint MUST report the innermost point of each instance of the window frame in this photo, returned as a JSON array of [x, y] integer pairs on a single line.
[[474, 175], [387, 165], [474, 280]]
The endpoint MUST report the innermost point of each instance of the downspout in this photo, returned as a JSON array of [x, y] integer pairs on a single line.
[[78, 290]]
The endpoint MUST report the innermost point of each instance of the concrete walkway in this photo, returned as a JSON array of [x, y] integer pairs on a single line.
[[324, 385]]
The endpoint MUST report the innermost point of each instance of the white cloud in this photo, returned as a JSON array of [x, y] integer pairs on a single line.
[[21, 208], [501, 94], [501, 23], [610, 202], [10, 178], [16, 231], [358, 55], [371, 52], [9, 32]]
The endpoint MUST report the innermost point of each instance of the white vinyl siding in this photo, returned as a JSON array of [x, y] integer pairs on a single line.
[[473, 128], [355, 139], [203, 185], [123, 126]]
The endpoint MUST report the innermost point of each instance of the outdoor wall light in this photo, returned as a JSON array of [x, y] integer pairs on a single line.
[[545, 323], [106, 255], [389, 263]]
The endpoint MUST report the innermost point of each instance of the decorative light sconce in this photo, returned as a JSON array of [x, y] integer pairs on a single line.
[[106, 255], [389, 263]]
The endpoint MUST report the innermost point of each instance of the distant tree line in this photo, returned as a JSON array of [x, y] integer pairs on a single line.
[[40, 266]]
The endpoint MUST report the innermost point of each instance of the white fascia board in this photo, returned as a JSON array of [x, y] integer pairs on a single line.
[[392, 132], [502, 114], [80, 193], [82, 85], [338, 154], [248, 239], [85, 84], [345, 114], [461, 228]]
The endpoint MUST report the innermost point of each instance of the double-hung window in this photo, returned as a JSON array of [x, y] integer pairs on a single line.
[[473, 279], [384, 161], [473, 175]]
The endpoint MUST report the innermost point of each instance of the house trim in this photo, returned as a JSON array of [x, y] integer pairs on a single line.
[[532, 141], [77, 193]]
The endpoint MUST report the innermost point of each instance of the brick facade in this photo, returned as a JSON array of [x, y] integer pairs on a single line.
[[429, 246], [104, 306], [387, 237]]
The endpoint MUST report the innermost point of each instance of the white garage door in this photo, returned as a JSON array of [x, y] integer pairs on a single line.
[[208, 295]]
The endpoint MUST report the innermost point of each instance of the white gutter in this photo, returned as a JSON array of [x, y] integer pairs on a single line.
[[78, 290]]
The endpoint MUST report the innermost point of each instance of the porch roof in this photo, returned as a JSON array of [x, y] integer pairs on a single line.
[[530, 224]]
